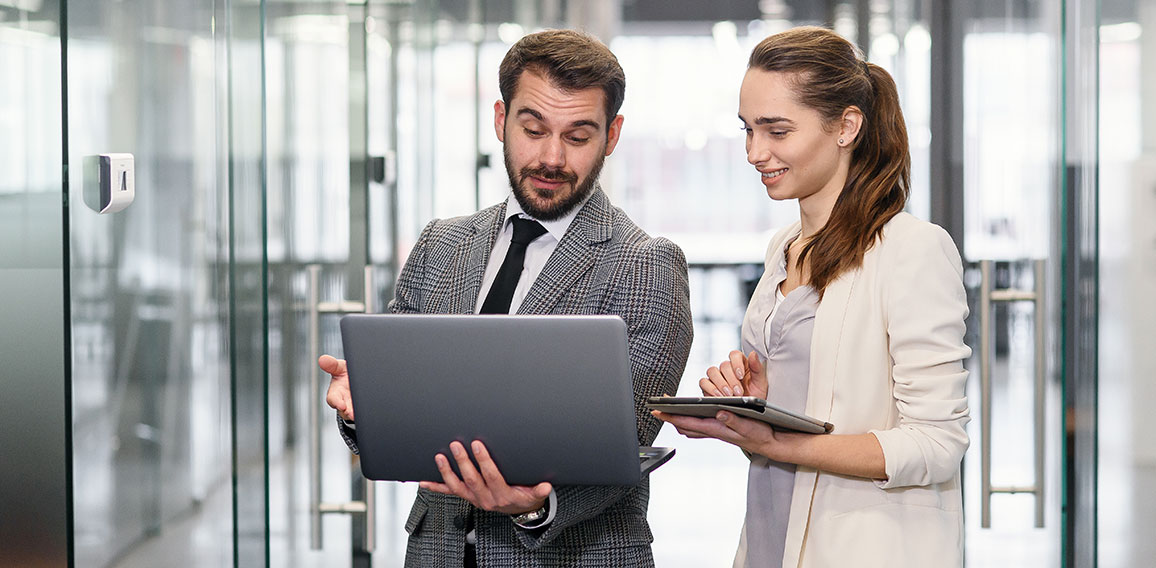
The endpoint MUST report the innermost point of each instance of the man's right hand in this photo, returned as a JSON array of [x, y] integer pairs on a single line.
[[338, 395]]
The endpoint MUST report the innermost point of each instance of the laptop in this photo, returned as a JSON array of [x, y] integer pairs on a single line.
[[549, 395]]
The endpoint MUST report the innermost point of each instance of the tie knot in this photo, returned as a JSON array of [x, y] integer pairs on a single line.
[[526, 230]]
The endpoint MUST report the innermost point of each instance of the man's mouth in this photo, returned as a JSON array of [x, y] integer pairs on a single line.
[[548, 180]]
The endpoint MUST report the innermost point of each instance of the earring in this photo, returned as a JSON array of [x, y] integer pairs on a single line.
[[840, 141]]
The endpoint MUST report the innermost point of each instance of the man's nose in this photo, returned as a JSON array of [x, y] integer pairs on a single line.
[[553, 154]]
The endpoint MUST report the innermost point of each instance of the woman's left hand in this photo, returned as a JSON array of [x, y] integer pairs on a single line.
[[754, 436]]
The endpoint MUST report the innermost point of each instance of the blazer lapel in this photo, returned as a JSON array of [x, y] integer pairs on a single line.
[[575, 255], [827, 336], [472, 254]]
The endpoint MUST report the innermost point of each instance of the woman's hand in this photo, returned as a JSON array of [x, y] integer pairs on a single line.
[[754, 436], [737, 376]]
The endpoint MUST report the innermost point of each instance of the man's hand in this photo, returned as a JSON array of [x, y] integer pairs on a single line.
[[737, 376], [486, 489], [338, 396]]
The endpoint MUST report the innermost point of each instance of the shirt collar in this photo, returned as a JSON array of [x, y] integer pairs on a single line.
[[556, 228]]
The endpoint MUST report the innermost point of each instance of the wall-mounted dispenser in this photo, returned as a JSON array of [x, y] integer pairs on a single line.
[[109, 182]]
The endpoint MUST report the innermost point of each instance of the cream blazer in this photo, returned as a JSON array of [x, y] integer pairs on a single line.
[[887, 358]]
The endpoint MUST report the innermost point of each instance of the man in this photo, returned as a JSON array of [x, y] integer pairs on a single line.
[[557, 120]]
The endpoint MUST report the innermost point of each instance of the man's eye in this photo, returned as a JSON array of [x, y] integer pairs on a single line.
[[533, 133], [578, 139]]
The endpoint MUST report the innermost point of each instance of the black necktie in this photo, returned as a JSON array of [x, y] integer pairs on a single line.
[[502, 291]]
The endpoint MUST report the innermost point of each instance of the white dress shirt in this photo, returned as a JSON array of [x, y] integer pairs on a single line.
[[537, 252]]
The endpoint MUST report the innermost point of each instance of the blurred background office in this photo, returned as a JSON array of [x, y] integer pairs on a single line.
[[161, 405]]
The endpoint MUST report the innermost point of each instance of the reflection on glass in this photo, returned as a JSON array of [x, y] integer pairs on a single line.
[[1126, 511], [150, 311]]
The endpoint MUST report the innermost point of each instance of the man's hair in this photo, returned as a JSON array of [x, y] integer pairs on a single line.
[[570, 60]]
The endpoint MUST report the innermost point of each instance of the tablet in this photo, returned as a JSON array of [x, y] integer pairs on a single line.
[[551, 396], [749, 406]]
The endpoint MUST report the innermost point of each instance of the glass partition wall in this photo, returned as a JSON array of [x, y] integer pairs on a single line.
[[35, 410], [1125, 491], [167, 302]]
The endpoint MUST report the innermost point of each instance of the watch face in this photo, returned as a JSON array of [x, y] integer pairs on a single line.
[[530, 516]]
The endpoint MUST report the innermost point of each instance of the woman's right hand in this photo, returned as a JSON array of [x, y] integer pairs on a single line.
[[737, 376]]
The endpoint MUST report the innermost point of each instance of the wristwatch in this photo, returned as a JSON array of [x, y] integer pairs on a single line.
[[532, 517]]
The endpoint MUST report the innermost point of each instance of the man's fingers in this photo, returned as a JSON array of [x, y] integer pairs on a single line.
[[470, 475], [435, 487], [453, 485], [347, 412], [493, 478]]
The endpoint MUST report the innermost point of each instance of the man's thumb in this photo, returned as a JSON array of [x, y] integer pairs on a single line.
[[331, 365]]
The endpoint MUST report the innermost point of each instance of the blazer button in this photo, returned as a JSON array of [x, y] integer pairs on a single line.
[[460, 522]]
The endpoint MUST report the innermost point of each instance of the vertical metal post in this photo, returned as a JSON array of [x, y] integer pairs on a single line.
[[1041, 376], [370, 485], [985, 341], [314, 299]]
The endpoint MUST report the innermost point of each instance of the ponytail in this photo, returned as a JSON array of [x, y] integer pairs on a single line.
[[830, 77]]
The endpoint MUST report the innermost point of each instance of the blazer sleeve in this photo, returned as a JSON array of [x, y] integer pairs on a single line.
[[406, 299], [925, 308], [652, 295]]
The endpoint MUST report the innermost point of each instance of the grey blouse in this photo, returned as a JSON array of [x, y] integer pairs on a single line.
[[787, 326]]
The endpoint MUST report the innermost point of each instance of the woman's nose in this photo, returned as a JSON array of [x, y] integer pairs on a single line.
[[757, 152]]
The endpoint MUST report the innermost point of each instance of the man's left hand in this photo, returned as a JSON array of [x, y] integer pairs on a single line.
[[485, 489]]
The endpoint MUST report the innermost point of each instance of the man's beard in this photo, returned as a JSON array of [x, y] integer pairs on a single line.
[[557, 209]]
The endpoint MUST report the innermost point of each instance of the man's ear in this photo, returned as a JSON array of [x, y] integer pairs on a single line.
[[500, 120], [613, 130], [850, 125]]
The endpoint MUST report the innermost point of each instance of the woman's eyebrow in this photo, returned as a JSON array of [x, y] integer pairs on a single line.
[[768, 120]]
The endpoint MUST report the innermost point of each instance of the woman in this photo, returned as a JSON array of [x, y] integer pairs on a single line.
[[858, 321]]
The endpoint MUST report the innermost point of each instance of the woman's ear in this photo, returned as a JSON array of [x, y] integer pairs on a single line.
[[849, 126]]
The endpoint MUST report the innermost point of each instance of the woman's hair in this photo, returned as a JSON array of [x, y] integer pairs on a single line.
[[828, 76], [571, 60]]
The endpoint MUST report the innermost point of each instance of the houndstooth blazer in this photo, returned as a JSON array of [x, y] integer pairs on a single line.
[[604, 264]]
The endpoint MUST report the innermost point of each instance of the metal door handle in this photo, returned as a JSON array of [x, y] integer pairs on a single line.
[[316, 507], [987, 296]]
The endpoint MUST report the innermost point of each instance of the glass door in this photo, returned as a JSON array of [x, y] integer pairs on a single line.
[[1013, 145], [1011, 81]]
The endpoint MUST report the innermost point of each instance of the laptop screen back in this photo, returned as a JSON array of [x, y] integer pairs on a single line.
[[550, 396]]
